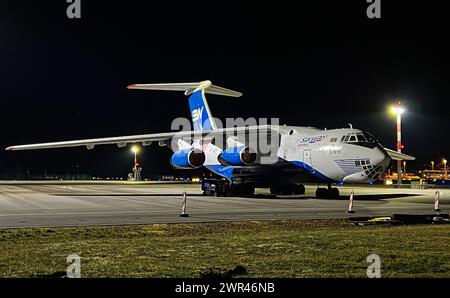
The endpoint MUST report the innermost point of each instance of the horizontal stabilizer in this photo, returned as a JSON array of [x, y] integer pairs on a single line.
[[188, 88], [398, 156]]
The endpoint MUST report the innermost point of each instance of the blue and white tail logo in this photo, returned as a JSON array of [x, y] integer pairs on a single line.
[[197, 114], [201, 116]]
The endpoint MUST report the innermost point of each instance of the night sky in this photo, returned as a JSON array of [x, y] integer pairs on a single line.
[[323, 65]]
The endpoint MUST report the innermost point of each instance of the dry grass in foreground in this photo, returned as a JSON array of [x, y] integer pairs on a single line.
[[297, 248]]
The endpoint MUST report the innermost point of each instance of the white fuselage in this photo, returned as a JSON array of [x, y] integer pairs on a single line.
[[336, 155]]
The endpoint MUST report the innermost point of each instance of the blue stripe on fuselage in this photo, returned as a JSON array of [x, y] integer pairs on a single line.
[[227, 171], [313, 171]]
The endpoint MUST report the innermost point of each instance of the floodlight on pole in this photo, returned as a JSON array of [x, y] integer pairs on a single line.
[[398, 111], [444, 161], [135, 149]]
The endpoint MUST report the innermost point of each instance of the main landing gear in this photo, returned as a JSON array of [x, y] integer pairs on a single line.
[[327, 193], [289, 189], [221, 188]]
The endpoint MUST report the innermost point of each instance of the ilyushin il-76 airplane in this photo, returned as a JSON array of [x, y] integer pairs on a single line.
[[301, 155]]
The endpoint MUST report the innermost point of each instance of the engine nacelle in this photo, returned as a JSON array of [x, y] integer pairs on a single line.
[[188, 159], [237, 156]]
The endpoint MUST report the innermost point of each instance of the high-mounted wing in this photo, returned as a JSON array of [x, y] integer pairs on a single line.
[[90, 143], [146, 139], [398, 156]]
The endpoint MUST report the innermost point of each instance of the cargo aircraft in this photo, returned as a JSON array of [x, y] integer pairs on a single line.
[[302, 154]]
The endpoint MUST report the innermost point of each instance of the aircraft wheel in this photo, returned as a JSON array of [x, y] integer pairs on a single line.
[[238, 190], [249, 191], [274, 190], [334, 193], [322, 193], [299, 189]]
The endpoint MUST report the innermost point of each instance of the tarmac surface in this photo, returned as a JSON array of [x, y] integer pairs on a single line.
[[43, 204]]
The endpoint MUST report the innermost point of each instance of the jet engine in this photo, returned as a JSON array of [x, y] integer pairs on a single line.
[[237, 156], [188, 159]]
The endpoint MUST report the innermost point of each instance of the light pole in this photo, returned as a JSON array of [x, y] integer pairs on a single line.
[[398, 110], [135, 150], [432, 165], [444, 161]]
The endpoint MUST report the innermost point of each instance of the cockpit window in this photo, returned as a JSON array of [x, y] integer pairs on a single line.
[[370, 138], [360, 138]]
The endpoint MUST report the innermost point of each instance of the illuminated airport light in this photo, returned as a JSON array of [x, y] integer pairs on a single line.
[[397, 110], [135, 149], [444, 161]]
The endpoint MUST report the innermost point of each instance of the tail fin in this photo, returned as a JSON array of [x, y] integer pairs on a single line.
[[202, 118], [201, 115]]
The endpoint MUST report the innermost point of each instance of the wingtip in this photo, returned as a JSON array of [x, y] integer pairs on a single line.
[[10, 148], [132, 86]]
